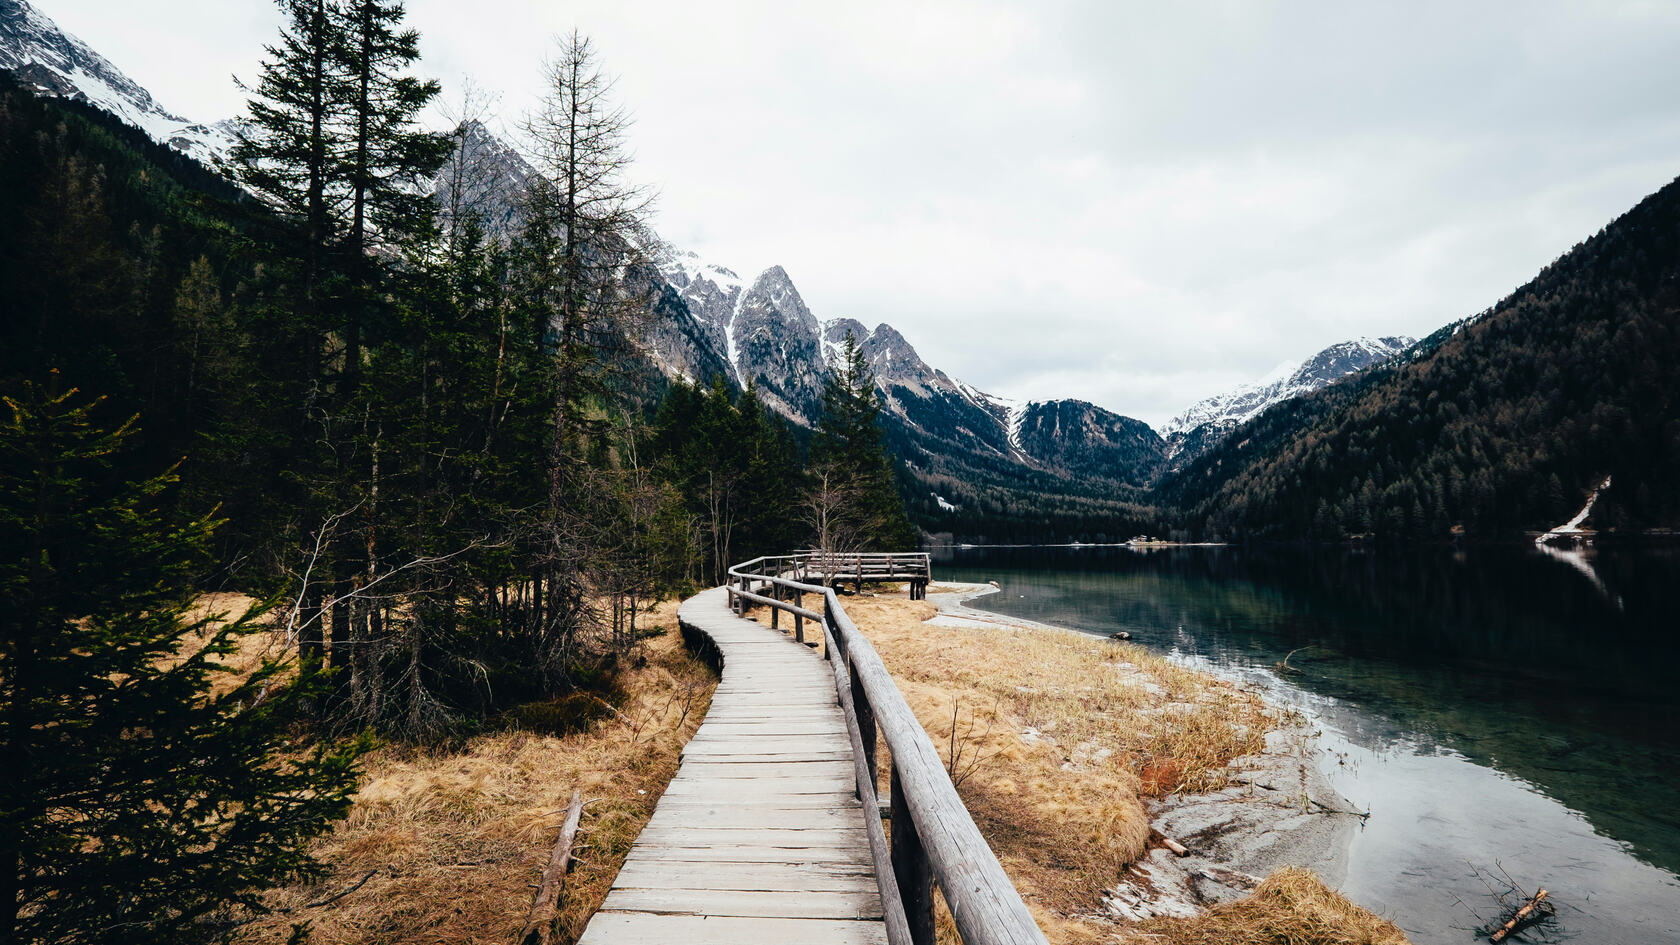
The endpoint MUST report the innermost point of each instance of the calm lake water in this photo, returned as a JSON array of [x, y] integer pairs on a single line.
[[1498, 710]]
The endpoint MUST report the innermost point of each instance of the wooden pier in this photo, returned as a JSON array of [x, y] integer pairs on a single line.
[[760, 837], [771, 833]]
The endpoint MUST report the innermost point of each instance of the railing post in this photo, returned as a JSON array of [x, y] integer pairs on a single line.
[[867, 729], [911, 868]]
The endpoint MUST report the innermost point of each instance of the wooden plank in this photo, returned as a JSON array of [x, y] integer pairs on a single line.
[[782, 904], [688, 874], [646, 928], [757, 791], [755, 817], [758, 853], [715, 752], [700, 769]]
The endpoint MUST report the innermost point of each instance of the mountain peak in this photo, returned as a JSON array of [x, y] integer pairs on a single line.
[[1205, 421]]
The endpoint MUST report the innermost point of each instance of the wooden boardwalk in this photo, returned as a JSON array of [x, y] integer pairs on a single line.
[[760, 838]]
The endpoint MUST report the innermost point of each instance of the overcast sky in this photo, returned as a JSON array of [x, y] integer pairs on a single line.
[[1137, 204]]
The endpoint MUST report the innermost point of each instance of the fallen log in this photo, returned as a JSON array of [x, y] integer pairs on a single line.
[[1523, 915], [539, 928]]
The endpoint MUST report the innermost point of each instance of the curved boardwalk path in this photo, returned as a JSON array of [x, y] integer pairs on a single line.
[[760, 837]]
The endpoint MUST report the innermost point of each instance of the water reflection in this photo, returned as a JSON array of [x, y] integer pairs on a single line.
[[1538, 688], [1578, 559]]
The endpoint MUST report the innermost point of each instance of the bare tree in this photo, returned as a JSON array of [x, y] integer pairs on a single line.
[[829, 508], [581, 217]]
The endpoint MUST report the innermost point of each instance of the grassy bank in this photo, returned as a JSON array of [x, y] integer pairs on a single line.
[[1057, 740], [442, 845]]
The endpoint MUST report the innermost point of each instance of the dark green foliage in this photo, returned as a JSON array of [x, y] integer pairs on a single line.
[[854, 492], [735, 465], [1501, 423], [139, 804]]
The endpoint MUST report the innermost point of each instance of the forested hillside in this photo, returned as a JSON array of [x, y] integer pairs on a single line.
[[1498, 424]]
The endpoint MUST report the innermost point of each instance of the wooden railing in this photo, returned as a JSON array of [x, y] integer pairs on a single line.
[[934, 840]]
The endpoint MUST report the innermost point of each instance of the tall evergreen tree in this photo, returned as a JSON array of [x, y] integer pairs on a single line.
[[580, 219], [854, 490], [290, 154], [387, 157], [142, 800], [287, 151]]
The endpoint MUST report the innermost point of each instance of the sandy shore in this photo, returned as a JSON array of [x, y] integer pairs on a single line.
[[1280, 809]]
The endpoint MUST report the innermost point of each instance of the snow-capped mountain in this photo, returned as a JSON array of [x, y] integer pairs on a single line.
[[711, 321], [1202, 425], [42, 56]]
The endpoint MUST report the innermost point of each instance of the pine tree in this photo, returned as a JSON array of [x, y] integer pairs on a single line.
[[387, 158], [287, 151], [853, 484], [289, 154], [580, 219], [144, 796]]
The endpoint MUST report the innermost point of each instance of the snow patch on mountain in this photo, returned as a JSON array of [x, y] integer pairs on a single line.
[[1287, 381], [53, 62]]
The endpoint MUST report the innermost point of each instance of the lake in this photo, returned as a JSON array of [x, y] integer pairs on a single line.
[[1501, 711]]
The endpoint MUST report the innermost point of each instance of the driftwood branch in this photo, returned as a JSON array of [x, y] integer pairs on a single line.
[[539, 929], [1178, 849], [1525, 914]]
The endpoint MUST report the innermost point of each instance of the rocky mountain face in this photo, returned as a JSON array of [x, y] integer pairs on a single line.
[[775, 342], [485, 177], [1206, 422], [1086, 440], [47, 59]]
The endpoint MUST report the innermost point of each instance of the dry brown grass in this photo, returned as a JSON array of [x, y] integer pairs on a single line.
[[1058, 737], [221, 607], [1292, 907], [451, 841]]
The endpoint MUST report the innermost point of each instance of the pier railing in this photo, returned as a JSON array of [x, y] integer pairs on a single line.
[[934, 839]]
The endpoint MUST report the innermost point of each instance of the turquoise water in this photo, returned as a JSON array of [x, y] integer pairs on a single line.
[[1500, 711]]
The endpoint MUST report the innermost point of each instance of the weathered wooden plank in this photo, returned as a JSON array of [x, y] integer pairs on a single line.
[[754, 791], [765, 757], [804, 877], [765, 744], [755, 817], [780, 904], [646, 928], [700, 769], [851, 853]]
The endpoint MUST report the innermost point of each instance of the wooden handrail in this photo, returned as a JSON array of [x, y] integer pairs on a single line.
[[934, 839]]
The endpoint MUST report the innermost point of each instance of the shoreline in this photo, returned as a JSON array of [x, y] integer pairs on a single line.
[[1279, 809]]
